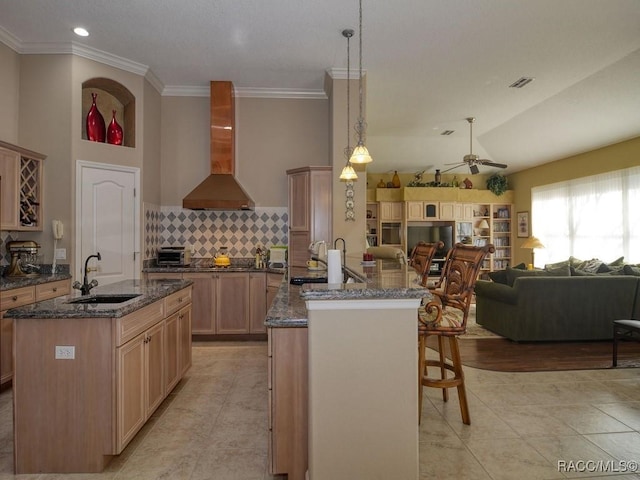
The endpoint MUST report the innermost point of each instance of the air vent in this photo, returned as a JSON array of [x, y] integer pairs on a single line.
[[521, 82], [447, 132]]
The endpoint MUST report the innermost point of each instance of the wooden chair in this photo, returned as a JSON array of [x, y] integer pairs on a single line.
[[421, 258], [454, 290]]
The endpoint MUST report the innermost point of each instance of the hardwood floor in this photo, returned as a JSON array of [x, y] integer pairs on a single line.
[[501, 354]]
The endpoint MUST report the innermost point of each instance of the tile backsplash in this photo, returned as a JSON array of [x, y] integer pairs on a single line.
[[208, 230]]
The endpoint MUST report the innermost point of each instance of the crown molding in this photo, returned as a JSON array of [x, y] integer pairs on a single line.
[[73, 48], [244, 92], [10, 40]]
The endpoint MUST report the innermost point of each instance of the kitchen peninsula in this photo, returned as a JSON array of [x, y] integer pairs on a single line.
[[342, 375], [90, 370]]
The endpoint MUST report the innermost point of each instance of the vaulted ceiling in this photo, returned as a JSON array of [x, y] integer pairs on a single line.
[[429, 64]]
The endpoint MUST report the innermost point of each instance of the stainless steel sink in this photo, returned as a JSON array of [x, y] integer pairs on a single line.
[[105, 298]]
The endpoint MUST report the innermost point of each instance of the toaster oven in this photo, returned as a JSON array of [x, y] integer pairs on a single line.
[[176, 256]]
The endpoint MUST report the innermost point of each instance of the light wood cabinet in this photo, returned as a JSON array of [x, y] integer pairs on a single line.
[[391, 211], [232, 303], [274, 280], [310, 207], [21, 203], [288, 401], [101, 398], [177, 338], [19, 297], [226, 303], [257, 302]]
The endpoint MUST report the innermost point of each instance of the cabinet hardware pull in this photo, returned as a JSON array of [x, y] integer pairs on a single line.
[[55, 289], [14, 298]]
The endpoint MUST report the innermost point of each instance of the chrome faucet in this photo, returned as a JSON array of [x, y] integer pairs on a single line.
[[86, 287]]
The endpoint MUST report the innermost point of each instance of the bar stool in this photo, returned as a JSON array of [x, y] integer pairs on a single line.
[[454, 289], [623, 329]]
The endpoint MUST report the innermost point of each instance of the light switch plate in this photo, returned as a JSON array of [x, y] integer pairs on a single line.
[[61, 253], [65, 352]]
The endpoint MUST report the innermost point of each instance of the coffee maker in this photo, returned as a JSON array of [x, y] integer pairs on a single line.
[[24, 254]]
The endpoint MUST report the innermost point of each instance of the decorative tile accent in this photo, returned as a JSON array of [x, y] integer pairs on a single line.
[[208, 230], [152, 230], [5, 236]]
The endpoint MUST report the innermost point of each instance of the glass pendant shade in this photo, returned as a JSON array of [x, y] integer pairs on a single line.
[[360, 155], [348, 173]]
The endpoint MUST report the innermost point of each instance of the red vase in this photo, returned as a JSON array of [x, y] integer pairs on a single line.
[[114, 131], [95, 122]]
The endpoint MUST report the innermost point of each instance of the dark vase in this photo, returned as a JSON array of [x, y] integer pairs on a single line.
[[95, 122], [438, 177], [114, 132]]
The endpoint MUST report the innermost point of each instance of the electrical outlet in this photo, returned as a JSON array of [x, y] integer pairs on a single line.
[[61, 253], [65, 352]]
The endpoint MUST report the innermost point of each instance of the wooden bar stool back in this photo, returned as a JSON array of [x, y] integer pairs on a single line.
[[421, 258], [453, 290]]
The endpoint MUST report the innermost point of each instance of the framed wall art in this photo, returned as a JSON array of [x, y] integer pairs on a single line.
[[523, 224]]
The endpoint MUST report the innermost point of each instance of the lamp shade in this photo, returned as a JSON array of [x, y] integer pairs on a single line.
[[348, 173], [483, 224], [532, 242], [360, 154]]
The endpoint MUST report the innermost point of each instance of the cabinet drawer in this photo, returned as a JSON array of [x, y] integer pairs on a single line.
[[17, 297], [45, 291], [137, 322], [176, 301]]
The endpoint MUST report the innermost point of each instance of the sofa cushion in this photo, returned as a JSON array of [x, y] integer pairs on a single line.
[[500, 276], [513, 274], [571, 262]]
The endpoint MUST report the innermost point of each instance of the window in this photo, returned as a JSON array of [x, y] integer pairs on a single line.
[[590, 217]]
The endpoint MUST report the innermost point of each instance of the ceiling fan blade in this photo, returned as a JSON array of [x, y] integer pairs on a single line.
[[453, 168], [493, 164]]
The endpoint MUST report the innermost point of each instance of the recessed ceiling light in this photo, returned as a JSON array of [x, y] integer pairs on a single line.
[[81, 32]]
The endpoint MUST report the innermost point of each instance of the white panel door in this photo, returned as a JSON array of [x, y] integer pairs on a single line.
[[107, 222]]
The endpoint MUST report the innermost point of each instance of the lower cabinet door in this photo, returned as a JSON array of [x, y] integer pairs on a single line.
[[131, 387], [184, 339], [172, 346], [154, 368], [232, 308]]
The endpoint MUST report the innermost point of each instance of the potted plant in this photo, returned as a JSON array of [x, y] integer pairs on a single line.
[[497, 184]]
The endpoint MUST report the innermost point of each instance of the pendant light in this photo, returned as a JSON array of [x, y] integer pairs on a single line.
[[360, 153], [348, 173]]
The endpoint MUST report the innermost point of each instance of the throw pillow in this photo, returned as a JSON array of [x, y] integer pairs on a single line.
[[500, 276], [513, 274], [580, 273], [552, 266], [590, 266], [631, 270]]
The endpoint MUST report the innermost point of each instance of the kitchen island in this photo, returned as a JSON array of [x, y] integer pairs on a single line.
[[343, 375], [88, 375]]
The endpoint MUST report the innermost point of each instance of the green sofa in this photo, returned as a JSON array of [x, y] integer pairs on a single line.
[[547, 308]]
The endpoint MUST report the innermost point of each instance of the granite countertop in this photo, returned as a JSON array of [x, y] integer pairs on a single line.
[[149, 291], [205, 265], [9, 283], [387, 279]]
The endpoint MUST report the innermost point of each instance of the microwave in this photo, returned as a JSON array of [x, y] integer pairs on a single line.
[[178, 256]]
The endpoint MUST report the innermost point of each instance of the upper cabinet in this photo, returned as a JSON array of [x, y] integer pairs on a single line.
[[21, 187]]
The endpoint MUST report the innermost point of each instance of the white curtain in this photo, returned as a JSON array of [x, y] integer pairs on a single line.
[[589, 217]]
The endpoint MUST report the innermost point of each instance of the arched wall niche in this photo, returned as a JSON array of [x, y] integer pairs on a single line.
[[112, 95]]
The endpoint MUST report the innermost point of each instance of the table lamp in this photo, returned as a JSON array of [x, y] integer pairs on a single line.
[[532, 243]]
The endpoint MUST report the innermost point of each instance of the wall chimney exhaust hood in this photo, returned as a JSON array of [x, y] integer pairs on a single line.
[[220, 190]]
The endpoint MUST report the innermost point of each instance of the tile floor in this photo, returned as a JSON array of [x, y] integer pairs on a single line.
[[213, 426]]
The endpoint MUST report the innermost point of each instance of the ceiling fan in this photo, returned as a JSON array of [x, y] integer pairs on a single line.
[[474, 160]]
